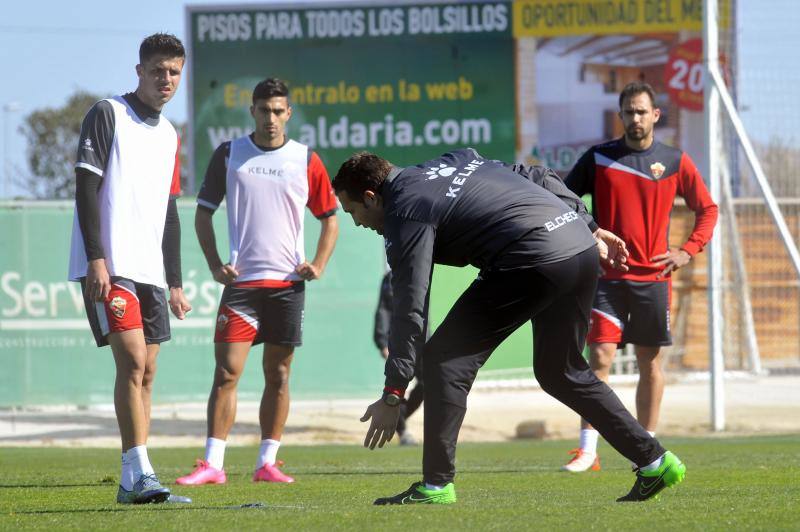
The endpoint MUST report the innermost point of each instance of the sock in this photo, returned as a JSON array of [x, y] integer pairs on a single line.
[[655, 464], [140, 463], [433, 487], [589, 440], [652, 433], [215, 452], [267, 453], [126, 477]]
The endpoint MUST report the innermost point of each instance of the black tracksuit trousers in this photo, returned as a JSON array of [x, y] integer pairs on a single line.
[[557, 299]]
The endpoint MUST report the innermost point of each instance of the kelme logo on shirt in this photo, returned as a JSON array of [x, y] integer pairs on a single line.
[[657, 169], [87, 145], [442, 171], [117, 306]]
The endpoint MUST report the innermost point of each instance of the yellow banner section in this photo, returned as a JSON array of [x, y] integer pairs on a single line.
[[553, 18]]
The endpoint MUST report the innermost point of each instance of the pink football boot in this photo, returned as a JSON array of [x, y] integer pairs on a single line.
[[203, 474], [271, 473]]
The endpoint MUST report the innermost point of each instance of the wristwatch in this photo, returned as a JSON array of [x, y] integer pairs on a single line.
[[391, 399]]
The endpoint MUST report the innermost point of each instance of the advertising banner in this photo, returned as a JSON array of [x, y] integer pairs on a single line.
[[574, 57], [408, 82], [49, 355]]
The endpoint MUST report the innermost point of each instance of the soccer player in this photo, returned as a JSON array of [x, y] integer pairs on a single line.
[[383, 317], [633, 181], [125, 236], [538, 262], [268, 180]]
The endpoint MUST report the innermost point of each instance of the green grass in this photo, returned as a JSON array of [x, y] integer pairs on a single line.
[[731, 484]]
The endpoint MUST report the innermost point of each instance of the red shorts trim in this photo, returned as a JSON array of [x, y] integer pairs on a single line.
[[265, 283], [234, 326], [604, 329]]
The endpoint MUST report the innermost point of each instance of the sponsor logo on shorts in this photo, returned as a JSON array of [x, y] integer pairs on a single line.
[[657, 169], [222, 321], [117, 306]]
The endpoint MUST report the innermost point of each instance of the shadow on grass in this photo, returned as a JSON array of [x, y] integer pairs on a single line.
[[155, 508], [480, 470], [75, 485]]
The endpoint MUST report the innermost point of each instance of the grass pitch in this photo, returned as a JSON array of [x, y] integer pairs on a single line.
[[731, 484]]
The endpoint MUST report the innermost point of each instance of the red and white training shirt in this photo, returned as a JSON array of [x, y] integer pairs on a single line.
[[633, 193], [267, 191]]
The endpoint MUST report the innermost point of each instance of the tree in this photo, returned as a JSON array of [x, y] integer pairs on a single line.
[[52, 137]]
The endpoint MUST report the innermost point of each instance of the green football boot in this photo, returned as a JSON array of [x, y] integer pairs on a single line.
[[650, 483], [419, 494]]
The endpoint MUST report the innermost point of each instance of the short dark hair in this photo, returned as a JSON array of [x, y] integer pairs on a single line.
[[270, 88], [361, 172], [637, 87], [164, 44]]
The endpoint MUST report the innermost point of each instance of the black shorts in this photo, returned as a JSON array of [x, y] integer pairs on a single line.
[[129, 305], [631, 312], [261, 314]]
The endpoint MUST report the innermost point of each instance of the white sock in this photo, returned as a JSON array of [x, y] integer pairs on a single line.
[[652, 433], [433, 487], [126, 477], [140, 463], [653, 465], [589, 440], [215, 452], [267, 453]]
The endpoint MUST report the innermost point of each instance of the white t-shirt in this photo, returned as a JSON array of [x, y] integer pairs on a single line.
[[139, 167], [267, 192]]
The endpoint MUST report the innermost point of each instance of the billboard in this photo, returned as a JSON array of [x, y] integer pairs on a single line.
[[405, 81], [49, 355]]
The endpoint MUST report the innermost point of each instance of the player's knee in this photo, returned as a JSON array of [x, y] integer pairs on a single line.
[[148, 377], [650, 371], [277, 375], [225, 377], [134, 375], [600, 360]]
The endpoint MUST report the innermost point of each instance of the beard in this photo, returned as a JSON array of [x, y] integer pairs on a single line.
[[634, 133]]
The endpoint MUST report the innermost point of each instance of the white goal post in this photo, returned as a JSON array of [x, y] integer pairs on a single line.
[[716, 93]]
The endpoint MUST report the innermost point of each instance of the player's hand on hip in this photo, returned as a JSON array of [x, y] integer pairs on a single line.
[[383, 425], [225, 274], [613, 251], [308, 271], [178, 303], [672, 260], [98, 282]]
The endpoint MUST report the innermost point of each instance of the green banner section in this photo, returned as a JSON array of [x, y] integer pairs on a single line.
[[49, 355], [407, 82]]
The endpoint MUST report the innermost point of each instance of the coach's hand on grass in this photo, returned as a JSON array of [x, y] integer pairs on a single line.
[[672, 260], [98, 282], [178, 303], [225, 274], [613, 251], [384, 423]]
